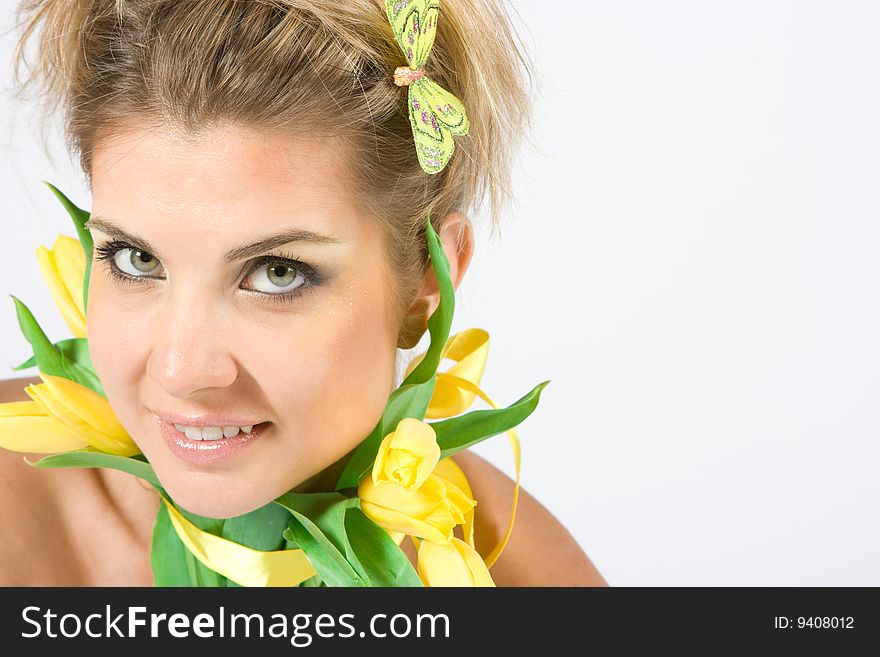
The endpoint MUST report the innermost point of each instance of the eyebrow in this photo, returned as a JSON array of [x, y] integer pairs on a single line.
[[237, 253]]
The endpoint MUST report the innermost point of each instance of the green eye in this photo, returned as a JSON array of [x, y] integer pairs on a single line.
[[127, 260], [277, 277], [140, 260]]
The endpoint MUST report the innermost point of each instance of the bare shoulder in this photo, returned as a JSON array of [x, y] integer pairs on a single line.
[[32, 534], [540, 551]]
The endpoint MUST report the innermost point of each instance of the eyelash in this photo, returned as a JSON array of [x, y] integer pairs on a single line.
[[106, 253]]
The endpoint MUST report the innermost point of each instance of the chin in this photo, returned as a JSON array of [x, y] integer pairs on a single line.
[[209, 500], [209, 509]]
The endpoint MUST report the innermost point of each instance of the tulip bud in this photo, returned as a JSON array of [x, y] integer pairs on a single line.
[[455, 563], [407, 455]]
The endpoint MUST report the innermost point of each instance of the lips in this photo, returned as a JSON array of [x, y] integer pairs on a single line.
[[206, 451], [203, 419]]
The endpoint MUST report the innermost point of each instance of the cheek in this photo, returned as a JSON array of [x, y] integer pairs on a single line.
[[336, 373], [116, 342], [323, 372]]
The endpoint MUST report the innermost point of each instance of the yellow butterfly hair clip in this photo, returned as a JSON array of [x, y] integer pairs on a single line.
[[436, 116]]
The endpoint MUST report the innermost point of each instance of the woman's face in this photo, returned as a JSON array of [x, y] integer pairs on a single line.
[[294, 337]]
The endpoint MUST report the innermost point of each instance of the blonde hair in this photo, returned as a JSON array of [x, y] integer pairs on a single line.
[[295, 66]]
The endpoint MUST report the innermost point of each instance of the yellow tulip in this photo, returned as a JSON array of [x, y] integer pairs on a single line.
[[407, 455], [431, 511], [64, 269], [455, 563], [449, 470], [25, 426], [82, 412]]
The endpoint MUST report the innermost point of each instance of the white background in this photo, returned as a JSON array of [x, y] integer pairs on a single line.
[[692, 262]]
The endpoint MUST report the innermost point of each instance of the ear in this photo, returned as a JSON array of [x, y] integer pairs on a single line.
[[457, 237]]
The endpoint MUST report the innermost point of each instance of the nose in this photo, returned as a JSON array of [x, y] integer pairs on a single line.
[[191, 349]]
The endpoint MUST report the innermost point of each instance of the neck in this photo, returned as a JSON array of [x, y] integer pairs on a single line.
[[111, 525], [324, 481], [134, 500]]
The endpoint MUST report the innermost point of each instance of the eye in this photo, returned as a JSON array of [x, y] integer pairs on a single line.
[[134, 262], [277, 276]]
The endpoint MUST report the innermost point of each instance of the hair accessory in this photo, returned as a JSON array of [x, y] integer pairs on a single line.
[[436, 116]]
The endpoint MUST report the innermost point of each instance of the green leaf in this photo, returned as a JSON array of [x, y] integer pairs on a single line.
[[30, 362], [168, 553], [50, 359], [260, 529], [384, 561], [80, 217], [330, 565], [440, 321], [318, 528], [91, 458], [74, 349], [458, 433], [47, 356]]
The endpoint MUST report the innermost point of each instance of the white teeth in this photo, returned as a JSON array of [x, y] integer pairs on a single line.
[[212, 433]]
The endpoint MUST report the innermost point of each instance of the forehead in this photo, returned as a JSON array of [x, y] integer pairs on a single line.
[[225, 175]]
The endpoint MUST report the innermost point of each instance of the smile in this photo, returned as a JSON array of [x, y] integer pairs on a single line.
[[212, 433], [205, 445]]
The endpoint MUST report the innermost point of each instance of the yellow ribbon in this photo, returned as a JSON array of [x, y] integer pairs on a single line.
[[241, 564], [454, 392]]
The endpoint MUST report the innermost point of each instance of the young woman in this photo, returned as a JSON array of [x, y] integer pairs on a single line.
[[259, 259]]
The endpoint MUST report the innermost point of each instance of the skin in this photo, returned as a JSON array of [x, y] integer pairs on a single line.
[[199, 336], [194, 340]]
